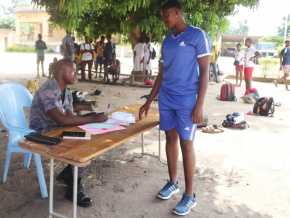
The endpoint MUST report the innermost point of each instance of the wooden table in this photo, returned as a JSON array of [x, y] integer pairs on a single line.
[[80, 152]]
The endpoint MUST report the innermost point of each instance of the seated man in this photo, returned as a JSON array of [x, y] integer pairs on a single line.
[[52, 108], [51, 67], [114, 67]]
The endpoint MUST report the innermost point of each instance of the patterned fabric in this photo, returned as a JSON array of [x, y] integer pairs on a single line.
[[68, 40], [47, 97], [100, 49]]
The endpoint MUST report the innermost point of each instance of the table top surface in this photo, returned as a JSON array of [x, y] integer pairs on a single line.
[[79, 152]]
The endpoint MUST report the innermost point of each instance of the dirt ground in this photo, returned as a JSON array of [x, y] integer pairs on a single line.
[[240, 173]]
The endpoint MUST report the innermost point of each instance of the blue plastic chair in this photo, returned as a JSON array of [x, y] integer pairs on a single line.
[[14, 97]]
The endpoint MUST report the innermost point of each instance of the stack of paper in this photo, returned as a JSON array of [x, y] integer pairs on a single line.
[[124, 117]]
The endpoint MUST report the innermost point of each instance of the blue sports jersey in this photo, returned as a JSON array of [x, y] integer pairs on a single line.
[[180, 61], [286, 56]]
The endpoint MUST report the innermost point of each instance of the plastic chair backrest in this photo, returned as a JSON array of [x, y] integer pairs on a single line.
[[14, 97]]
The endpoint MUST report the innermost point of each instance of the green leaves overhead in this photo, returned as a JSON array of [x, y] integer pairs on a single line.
[[97, 17]]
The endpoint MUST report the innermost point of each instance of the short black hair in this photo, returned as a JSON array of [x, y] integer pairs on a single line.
[[172, 4], [61, 63], [147, 39], [239, 44], [249, 40]]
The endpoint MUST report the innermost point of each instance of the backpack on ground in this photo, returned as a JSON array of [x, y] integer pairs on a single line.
[[264, 106], [153, 55], [228, 92], [32, 86]]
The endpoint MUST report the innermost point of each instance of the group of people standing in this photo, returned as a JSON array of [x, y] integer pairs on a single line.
[[87, 53], [143, 51]]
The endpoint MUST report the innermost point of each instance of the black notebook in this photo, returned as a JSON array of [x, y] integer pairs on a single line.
[[76, 135]]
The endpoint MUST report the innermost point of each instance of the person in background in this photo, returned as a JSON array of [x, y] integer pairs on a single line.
[[40, 46], [99, 48], [87, 50], [284, 64], [148, 49], [113, 68], [239, 55], [181, 84], [67, 46], [76, 46], [51, 67], [251, 53], [213, 62], [52, 108], [108, 51], [139, 57]]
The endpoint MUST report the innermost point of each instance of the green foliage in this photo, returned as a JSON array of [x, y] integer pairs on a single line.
[[8, 22], [278, 40], [268, 63], [20, 49], [97, 17]]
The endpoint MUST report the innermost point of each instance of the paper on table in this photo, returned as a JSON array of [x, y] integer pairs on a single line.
[[95, 131], [101, 125], [117, 122]]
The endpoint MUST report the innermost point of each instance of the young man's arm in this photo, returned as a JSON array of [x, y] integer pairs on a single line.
[[145, 108], [69, 119], [257, 54], [197, 112], [281, 58]]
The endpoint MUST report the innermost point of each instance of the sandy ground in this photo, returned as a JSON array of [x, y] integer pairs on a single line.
[[240, 173]]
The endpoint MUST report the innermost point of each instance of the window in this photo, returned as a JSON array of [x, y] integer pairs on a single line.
[[50, 30]]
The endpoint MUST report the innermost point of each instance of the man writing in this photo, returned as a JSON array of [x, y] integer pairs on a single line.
[[40, 46], [52, 109]]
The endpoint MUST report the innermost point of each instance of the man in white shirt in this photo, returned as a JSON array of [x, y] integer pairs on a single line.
[[251, 53], [239, 54], [138, 57], [87, 50], [148, 49]]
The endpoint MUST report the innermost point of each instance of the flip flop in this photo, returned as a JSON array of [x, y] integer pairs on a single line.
[[276, 85], [210, 130], [215, 126]]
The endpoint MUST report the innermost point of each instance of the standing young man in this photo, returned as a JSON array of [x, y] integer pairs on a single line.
[[108, 51], [148, 49], [239, 55], [51, 109], [87, 50], [251, 53], [40, 46], [139, 58], [67, 46], [181, 83], [213, 62], [285, 64], [100, 45]]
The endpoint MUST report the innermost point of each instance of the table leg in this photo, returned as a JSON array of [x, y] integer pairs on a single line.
[[151, 155], [75, 192], [51, 188]]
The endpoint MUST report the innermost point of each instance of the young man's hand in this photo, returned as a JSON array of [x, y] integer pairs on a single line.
[[145, 108], [197, 114], [100, 117]]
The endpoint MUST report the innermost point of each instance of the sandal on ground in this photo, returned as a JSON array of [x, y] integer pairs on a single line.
[[276, 85], [215, 126], [210, 129]]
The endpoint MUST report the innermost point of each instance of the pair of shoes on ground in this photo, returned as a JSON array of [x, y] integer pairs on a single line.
[[212, 129], [186, 203], [66, 177]]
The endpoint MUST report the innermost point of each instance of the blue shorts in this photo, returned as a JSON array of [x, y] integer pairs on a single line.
[[99, 60], [174, 115]]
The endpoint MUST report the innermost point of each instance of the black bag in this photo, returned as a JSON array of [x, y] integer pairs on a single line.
[[153, 55], [236, 63], [264, 106], [35, 137]]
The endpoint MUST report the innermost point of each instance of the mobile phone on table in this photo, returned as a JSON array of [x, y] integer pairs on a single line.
[[76, 135]]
